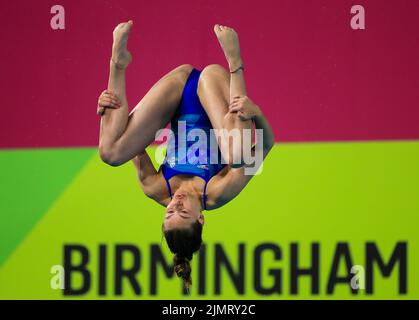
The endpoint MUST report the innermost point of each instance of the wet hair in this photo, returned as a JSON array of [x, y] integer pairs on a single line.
[[184, 242]]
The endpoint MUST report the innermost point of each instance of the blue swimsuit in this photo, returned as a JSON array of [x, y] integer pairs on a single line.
[[177, 162]]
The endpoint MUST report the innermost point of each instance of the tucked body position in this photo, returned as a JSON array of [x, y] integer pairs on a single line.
[[208, 100]]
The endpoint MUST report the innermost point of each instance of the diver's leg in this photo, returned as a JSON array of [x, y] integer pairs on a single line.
[[214, 88], [229, 42], [123, 135], [217, 88], [152, 113]]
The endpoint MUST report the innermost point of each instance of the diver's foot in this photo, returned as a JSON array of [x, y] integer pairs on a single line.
[[120, 54], [229, 42]]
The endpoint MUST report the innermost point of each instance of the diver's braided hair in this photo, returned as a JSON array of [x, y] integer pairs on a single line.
[[183, 269], [184, 243]]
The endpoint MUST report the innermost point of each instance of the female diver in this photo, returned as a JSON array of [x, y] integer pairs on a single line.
[[209, 99]]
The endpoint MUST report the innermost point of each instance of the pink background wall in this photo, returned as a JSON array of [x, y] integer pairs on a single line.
[[315, 77]]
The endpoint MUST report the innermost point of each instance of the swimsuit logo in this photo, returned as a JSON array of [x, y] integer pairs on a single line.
[[171, 161], [203, 166]]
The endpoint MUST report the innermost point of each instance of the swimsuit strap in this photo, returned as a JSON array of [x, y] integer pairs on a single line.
[[205, 192], [170, 189]]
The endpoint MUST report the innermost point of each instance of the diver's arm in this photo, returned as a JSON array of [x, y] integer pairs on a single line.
[[267, 133], [145, 168], [227, 187], [247, 111], [222, 190], [151, 182]]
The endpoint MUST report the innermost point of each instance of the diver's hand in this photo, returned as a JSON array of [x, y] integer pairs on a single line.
[[244, 107], [107, 99]]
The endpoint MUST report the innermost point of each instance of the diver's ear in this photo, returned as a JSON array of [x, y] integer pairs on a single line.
[[201, 219]]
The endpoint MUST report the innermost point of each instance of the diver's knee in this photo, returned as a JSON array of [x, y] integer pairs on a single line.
[[109, 156], [212, 70], [185, 68]]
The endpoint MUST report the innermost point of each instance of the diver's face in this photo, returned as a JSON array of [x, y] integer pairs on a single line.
[[183, 210]]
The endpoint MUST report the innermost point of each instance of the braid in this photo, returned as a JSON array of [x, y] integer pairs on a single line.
[[184, 243], [183, 270]]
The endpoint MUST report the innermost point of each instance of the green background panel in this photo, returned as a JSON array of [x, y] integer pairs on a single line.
[[325, 193], [30, 182]]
